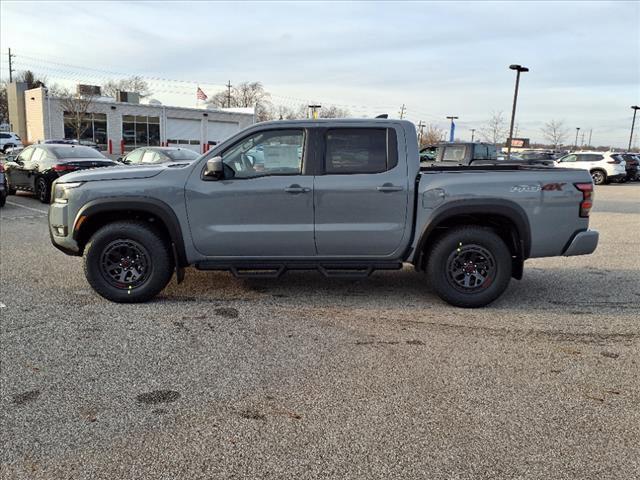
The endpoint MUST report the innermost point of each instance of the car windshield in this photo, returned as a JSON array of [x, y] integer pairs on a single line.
[[177, 155], [76, 152]]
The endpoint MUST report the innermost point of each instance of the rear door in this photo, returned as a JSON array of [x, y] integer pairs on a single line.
[[361, 199]]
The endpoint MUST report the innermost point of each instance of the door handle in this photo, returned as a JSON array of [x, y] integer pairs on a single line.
[[297, 189], [388, 187]]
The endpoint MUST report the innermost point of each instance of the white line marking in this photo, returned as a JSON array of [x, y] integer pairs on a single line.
[[28, 208]]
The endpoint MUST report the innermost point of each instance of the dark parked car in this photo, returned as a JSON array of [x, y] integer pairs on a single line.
[[631, 165], [146, 155], [3, 186], [37, 166], [72, 141]]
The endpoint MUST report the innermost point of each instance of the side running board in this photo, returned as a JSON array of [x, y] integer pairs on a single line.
[[274, 270]]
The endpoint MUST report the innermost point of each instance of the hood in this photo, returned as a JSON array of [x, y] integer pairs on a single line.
[[113, 173]]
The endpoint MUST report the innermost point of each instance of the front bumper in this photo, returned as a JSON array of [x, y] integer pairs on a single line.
[[59, 229], [583, 243]]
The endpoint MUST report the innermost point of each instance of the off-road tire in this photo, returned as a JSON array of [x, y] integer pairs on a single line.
[[155, 249], [446, 252]]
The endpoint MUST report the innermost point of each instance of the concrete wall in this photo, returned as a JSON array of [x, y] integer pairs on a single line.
[[34, 103], [17, 116], [43, 126]]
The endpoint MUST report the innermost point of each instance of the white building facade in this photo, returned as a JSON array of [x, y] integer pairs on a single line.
[[120, 127]]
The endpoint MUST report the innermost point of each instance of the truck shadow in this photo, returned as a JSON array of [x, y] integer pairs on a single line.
[[558, 289]]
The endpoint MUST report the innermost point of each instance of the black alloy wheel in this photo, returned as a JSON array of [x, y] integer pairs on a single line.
[[470, 268], [125, 264]]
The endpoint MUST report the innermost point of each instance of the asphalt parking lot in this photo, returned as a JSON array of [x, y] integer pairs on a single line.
[[304, 377]]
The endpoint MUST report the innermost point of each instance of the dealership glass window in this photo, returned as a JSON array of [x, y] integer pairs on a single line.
[[93, 127], [140, 131]]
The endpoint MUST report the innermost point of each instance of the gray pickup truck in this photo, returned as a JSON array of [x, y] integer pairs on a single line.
[[345, 197]]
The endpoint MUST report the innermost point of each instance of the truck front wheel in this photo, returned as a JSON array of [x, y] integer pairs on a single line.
[[127, 262], [469, 266]]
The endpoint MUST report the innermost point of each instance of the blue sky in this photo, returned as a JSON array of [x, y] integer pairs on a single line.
[[437, 58]]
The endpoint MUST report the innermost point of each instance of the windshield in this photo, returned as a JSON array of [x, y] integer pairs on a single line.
[[177, 155], [76, 152]]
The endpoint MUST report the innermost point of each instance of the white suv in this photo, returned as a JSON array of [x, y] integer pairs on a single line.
[[9, 140], [603, 166]]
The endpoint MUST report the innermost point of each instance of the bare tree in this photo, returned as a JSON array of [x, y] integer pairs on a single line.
[[4, 103], [134, 84], [76, 106], [431, 135], [31, 79], [333, 112], [245, 95], [495, 130], [555, 132]]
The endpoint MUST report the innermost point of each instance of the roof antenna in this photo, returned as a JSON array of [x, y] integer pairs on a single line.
[[384, 115]]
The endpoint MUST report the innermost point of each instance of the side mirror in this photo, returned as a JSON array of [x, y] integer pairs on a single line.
[[214, 169]]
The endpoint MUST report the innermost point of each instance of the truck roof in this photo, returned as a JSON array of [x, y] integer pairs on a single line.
[[334, 121]]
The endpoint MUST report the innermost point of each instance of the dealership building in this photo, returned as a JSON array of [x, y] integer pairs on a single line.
[[121, 126]]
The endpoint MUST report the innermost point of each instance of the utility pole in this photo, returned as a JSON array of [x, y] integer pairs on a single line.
[[10, 67], [575, 144], [314, 111], [420, 128], [633, 124], [473, 132], [582, 140], [519, 69], [229, 94], [590, 132], [452, 128], [402, 110]]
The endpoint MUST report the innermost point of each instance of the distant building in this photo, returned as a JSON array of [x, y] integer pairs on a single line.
[[122, 126]]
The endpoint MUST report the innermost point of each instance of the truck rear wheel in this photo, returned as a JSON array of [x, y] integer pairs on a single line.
[[469, 266], [127, 262]]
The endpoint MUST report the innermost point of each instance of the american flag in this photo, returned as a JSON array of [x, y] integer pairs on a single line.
[[200, 95]]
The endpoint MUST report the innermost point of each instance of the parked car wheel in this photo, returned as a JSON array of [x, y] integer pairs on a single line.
[[127, 262], [43, 190], [10, 189], [599, 177], [469, 266]]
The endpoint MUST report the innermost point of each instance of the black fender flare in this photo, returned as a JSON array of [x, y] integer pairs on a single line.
[[148, 205], [482, 206]]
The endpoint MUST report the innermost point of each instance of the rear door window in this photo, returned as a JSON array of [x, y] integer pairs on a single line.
[[589, 157], [360, 150]]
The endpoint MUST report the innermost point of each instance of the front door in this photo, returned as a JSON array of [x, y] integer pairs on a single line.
[[263, 207], [19, 173], [361, 200]]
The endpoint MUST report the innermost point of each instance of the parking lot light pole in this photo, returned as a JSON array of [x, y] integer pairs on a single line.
[[519, 69], [452, 128], [633, 124], [575, 144]]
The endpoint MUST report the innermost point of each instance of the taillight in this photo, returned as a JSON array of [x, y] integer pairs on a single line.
[[615, 160], [587, 198], [63, 168]]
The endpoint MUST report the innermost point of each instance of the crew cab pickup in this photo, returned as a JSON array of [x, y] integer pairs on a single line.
[[344, 197]]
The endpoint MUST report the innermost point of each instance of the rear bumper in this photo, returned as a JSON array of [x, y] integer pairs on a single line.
[[583, 243]]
